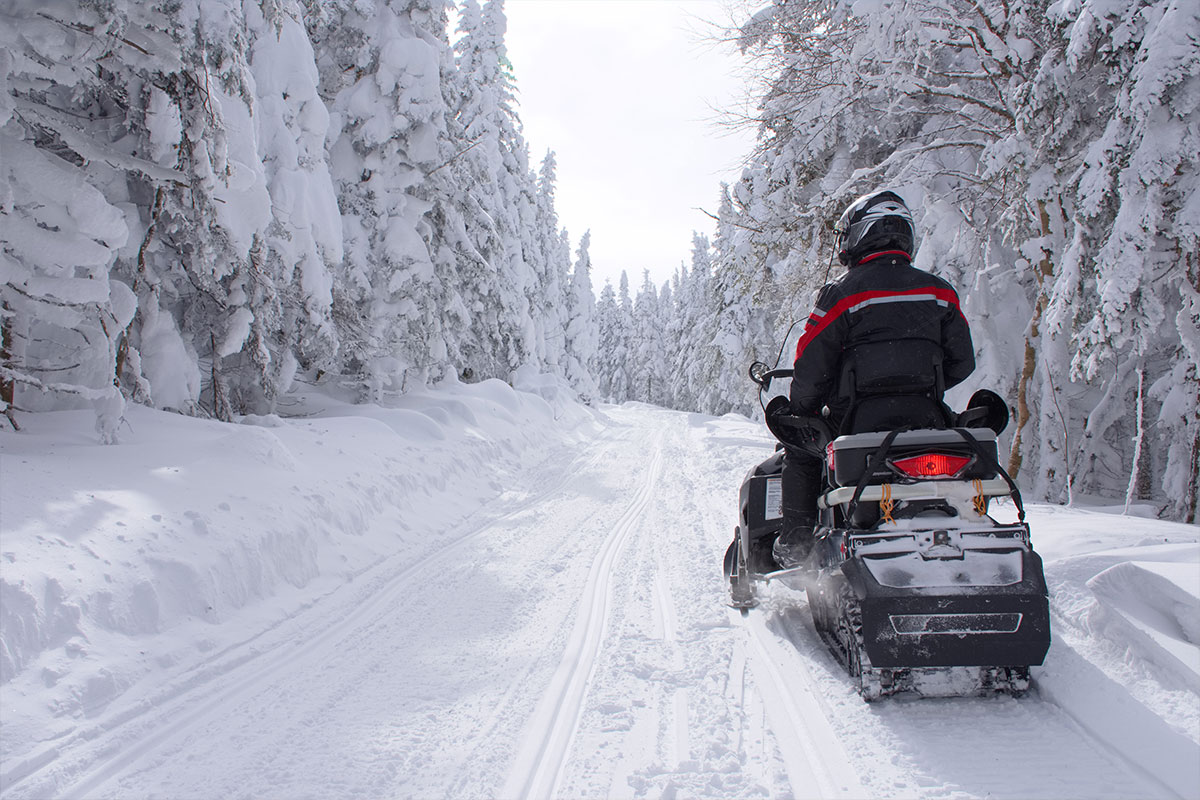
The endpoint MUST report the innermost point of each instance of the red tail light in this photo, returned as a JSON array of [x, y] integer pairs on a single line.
[[932, 465]]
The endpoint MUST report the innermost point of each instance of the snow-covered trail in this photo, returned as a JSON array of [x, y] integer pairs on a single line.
[[693, 700], [569, 639], [405, 682]]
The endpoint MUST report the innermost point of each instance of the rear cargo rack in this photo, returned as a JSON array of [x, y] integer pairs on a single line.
[[985, 458], [993, 487]]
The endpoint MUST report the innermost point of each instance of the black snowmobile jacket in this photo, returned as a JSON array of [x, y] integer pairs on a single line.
[[885, 327]]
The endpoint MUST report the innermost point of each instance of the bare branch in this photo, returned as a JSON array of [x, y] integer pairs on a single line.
[[728, 221]]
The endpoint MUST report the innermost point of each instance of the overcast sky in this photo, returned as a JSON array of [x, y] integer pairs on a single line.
[[627, 95]]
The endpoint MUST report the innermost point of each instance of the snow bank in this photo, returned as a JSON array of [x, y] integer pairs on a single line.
[[1125, 598], [1156, 607], [118, 561]]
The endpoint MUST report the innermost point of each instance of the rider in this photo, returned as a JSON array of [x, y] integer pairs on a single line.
[[885, 329]]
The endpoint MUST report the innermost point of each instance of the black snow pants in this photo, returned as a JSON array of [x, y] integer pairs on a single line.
[[801, 485]]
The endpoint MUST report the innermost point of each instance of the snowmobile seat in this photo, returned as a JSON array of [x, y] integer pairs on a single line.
[[890, 411]]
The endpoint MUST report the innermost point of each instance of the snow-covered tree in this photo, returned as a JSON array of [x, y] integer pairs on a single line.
[[1021, 135], [646, 351], [203, 199], [614, 318], [744, 291], [494, 162], [582, 333], [608, 329], [382, 71], [670, 327], [621, 355], [61, 312], [286, 321], [1118, 181], [163, 127], [550, 249], [697, 326]]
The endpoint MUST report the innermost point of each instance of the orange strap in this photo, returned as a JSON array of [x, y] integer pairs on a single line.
[[979, 500], [886, 503]]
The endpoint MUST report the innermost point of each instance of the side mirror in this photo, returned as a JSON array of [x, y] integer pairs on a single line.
[[759, 374]]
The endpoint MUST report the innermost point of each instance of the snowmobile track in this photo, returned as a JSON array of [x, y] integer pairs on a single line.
[[81, 764], [546, 745]]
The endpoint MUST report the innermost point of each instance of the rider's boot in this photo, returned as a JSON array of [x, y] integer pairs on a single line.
[[792, 547], [801, 485]]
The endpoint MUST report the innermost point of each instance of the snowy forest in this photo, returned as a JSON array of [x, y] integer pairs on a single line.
[[206, 201]]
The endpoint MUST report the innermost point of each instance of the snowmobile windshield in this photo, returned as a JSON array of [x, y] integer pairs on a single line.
[[787, 353], [783, 360]]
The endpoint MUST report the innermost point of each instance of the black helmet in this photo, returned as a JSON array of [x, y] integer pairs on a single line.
[[874, 222]]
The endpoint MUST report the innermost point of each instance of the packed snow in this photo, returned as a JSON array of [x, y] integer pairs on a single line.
[[482, 591]]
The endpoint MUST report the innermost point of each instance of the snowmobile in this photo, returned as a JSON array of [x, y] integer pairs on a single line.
[[911, 583]]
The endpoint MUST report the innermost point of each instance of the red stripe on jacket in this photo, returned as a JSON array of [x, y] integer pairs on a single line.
[[819, 322]]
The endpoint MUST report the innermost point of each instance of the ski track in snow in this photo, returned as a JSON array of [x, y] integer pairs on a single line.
[[571, 640], [256, 666], [799, 718], [542, 755]]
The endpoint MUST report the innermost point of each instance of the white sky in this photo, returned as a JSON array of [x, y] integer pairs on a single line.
[[625, 92]]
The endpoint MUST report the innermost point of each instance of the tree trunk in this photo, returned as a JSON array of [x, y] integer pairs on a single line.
[[1193, 484], [1193, 489], [222, 409], [1134, 490], [1041, 274], [7, 384], [138, 280]]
